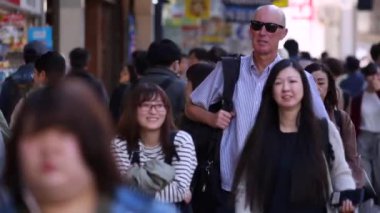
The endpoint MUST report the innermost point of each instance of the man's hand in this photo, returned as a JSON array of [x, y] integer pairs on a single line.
[[222, 119], [347, 207]]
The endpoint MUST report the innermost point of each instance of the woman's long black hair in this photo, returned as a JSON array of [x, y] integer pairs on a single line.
[[257, 165]]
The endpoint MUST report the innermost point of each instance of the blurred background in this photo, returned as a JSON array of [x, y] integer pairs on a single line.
[[112, 29]]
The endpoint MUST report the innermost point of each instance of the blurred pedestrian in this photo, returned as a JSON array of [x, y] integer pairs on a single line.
[[59, 157], [365, 113], [292, 160], [19, 83], [326, 86]]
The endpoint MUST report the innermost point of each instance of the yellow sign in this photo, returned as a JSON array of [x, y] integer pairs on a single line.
[[281, 3], [198, 8]]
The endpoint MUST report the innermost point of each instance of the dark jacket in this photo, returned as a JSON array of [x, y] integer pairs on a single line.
[[15, 87], [175, 88]]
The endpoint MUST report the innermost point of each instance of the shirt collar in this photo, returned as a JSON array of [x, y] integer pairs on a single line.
[[268, 68]]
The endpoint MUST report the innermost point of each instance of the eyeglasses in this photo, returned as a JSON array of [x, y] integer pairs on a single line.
[[270, 27], [147, 107]]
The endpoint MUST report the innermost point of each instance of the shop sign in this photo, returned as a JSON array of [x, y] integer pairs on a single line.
[[43, 34], [34, 6], [16, 2], [243, 10], [197, 8], [301, 9]]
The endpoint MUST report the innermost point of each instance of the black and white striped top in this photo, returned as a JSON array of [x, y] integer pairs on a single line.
[[184, 168]]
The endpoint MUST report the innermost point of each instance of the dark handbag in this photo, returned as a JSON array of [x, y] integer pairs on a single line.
[[206, 185]]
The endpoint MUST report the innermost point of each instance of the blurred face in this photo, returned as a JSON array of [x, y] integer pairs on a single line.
[[192, 59], [288, 89], [183, 65], [124, 76], [374, 81], [321, 79], [265, 41], [39, 78], [52, 166], [151, 114]]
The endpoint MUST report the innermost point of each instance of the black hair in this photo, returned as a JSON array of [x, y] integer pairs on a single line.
[[53, 64], [79, 58], [257, 164], [199, 53], [291, 46], [216, 53], [375, 51], [351, 64], [331, 99], [163, 53]]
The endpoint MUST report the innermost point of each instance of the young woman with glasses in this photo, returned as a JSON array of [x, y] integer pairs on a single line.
[[146, 133]]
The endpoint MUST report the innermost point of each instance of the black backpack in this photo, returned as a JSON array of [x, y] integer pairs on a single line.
[[206, 180]]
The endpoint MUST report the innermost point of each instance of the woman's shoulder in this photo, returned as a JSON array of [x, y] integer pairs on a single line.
[[119, 143], [182, 138]]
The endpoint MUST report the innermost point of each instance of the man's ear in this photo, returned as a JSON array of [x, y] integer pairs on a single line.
[[284, 33]]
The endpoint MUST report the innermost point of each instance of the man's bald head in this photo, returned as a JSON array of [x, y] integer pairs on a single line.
[[273, 11]]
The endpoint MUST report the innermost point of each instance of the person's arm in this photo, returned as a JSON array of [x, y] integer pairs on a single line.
[[350, 148], [341, 175], [119, 150], [318, 106], [178, 189], [207, 93]]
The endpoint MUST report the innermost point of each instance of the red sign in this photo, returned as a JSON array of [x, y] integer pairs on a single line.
[[302, 9], [17, 2]]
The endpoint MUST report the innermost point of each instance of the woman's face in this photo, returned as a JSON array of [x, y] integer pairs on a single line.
[[322, 81], [52, 166], [288, 89], [151, 114]]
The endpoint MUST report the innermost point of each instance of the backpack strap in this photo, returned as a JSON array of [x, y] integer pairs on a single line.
[[169, 159], [231, 71], [328, 150], [135, 157]]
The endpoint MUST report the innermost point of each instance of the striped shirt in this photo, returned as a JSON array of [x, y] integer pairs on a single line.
[[247, 100], [184, 168]]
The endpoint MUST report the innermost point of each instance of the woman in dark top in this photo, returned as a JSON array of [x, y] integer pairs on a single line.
[[287, 163]]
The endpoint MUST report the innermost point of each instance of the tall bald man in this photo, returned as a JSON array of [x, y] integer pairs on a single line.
[[268, 27]]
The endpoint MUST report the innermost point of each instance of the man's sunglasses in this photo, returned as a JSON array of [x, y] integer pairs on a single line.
[[270, 27]]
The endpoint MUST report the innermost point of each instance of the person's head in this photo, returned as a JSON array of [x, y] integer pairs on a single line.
[[183, 64], [324, 55], [216, 53], [326, 84], [147, 110], [371, 73], [352, 64], [139, 61], [49, 68], [335, 65], [268, 27], [79, 58], [60, 146], [197, 55], [33, 50], [287, 88], [164, 53], [375, 52], [291, 46]]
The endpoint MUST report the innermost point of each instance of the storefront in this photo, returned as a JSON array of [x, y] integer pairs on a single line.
[[16, 17]]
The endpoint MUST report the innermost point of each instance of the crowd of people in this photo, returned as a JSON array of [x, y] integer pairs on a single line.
[[299, 135]]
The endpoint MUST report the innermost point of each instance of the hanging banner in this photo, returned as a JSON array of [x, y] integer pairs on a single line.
[[241, 11], [33, 6], [198, 9], [13, 30], [44, 34]]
